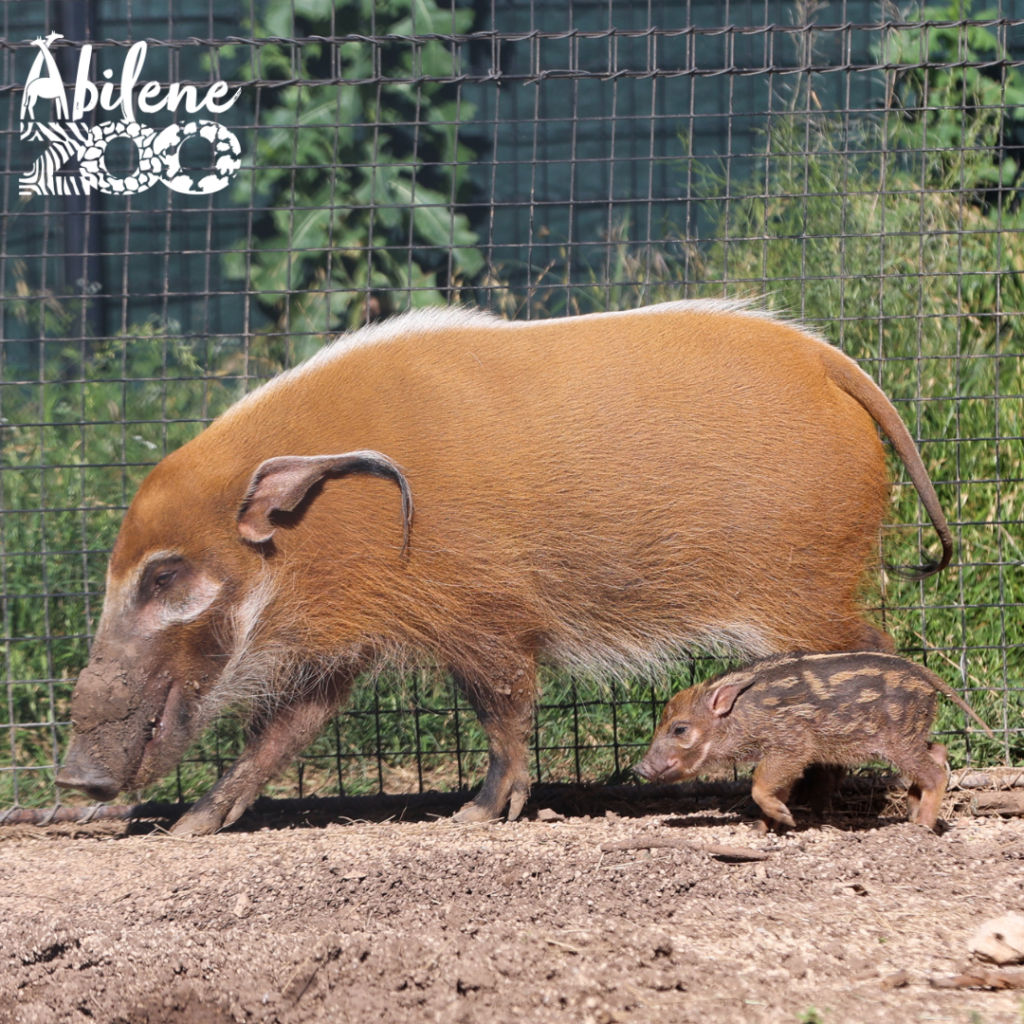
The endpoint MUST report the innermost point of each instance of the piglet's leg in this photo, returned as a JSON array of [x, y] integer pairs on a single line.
[[773, 779], [504, 704], [926, 773], [818, 785], [274, 742], [913, 802]]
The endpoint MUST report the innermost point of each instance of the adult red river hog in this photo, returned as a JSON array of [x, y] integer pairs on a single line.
[[602, 491]]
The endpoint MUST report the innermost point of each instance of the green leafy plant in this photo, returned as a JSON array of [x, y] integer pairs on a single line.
[[358, 181], [951, 105]]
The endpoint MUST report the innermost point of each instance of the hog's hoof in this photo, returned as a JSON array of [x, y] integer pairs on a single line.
[[490, 809], [206, 818], [765, 825], [516, 804], [197, 824], [474, 812]]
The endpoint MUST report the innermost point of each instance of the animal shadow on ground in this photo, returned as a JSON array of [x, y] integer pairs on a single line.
[[858, 804]]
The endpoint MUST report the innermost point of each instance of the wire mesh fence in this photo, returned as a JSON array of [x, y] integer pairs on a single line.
[[195, 198]]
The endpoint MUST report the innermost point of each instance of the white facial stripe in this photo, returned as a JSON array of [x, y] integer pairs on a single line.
[[200, 595], [131, 584], [121, 593], [246, 616], [703, 756]]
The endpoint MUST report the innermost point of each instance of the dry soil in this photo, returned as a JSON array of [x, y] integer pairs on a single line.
[[423, 920]]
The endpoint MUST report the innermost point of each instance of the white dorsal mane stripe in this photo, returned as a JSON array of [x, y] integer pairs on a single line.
[[437, 319]]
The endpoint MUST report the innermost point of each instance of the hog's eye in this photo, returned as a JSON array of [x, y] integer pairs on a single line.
[[164, 578], [679, 729]]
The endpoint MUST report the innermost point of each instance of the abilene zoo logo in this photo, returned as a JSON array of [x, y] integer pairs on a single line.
[[70, 138]]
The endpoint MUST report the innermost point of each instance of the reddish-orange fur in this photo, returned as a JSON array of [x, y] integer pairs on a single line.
[[604, 491]]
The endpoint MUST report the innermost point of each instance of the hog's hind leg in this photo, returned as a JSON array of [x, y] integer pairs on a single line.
[[504, 704], [277, 740]]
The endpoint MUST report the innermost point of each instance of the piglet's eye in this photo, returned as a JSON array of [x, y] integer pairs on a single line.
[[679, 729]]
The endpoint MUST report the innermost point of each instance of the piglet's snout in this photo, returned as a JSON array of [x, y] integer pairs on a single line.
[[658, 764]]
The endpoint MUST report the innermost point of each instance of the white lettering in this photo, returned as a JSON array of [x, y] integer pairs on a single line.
[[214, 93], [107, 101], [159, 156], [227, 154], [175, 94], [94, 165], [39, 88], [86, 94], [130, 73], [149, 90]]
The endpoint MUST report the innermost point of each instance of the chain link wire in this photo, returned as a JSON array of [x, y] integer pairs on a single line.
[[857, 168]]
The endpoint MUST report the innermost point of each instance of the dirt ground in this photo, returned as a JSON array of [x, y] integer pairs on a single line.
[[413, 919]]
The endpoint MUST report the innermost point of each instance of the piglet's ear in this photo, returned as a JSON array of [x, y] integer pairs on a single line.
[[722, 698], [280, 484]]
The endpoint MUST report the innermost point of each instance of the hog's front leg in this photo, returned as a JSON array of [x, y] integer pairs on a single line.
[[281, 736], [504, 704]]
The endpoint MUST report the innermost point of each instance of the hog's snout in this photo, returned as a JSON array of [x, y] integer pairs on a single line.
[[82, 772]]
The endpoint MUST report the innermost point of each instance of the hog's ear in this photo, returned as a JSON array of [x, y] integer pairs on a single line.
[[722, 698], [280, 484]]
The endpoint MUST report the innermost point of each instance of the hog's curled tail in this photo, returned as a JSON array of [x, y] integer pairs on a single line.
[[848, 376]]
